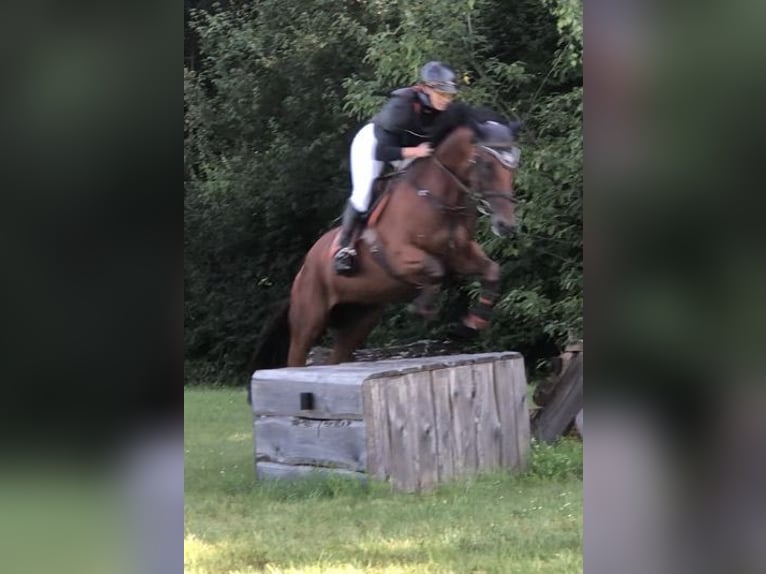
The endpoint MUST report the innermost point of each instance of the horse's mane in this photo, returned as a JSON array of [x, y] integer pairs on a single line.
[[460, 114]]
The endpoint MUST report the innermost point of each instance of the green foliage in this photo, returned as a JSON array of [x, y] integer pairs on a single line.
[[562, 460], [266, 164], [270, 109], [568, 15]]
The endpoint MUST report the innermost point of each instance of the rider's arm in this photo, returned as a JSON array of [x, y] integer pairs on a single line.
[[389, 146], [390, 123]]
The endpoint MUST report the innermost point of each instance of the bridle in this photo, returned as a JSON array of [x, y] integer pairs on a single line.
[[507, 155]]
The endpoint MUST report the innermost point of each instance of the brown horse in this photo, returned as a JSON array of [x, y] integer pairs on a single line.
[[421, 229]]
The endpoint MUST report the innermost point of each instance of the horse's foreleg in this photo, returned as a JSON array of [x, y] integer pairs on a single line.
[[473, 261], [427, 271]]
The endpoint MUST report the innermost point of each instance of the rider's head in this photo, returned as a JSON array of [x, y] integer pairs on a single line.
[[437, 80]]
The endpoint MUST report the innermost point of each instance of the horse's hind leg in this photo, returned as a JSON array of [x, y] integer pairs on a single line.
[[305, 329], [308, 320], [353, 331]]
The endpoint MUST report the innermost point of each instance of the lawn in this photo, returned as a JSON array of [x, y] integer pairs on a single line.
[[492, 524]]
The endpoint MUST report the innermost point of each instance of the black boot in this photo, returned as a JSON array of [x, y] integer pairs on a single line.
[[343, 261]]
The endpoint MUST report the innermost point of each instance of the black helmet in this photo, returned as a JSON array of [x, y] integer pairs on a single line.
[[439, 76]]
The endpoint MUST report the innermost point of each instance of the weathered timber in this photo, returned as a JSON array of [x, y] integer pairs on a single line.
[[292, 440], [522, 429], [412, 422], [445, 444], [564, 404], [546, 388], [271, 470]]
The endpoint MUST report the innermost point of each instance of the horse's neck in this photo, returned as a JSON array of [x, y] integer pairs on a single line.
[[455, 151], [454, 154]]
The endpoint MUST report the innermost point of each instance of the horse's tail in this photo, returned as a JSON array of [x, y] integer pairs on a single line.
[[273, 342]]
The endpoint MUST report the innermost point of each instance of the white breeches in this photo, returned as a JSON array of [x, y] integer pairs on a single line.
[[364, 167]]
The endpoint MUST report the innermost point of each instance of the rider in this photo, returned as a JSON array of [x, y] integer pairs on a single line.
[[397, 134]]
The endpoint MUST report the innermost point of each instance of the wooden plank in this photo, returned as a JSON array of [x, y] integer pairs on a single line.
[[523, 434], [440, 386], [331, 400], [336, 375], [376, 421], [369, 409], [566, 402], [292, 440], [505, 397], [521, 411], [274, 470], [487, 418], [464, 425], [401, 431], [423, 416], [354, 373]]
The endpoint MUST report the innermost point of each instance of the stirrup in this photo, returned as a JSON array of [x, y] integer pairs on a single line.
[[343, 261], [344, 253]]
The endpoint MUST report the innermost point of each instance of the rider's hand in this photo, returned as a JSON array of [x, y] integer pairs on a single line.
[[423, 150]]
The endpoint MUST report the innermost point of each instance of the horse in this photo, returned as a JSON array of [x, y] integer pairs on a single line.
[[419, 230]]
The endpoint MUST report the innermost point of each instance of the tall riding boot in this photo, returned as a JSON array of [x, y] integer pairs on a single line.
[[344, 257]]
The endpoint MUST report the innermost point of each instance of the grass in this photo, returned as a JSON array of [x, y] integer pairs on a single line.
[[491, 524]]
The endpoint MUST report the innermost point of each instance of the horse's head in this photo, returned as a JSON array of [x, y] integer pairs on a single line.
[[494, 161], [478, 146]]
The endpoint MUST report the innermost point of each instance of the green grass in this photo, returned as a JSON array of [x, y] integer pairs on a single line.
[[491, 524]]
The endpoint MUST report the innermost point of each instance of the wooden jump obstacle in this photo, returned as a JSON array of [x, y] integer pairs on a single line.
[[413, 422]]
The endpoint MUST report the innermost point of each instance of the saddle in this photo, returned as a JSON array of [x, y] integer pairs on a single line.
[[379, 186]]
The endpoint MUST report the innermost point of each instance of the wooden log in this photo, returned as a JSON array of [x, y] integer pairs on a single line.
[[462, 390], [403, 435], [378, 434], [546, 388], [445, 446], [522, 432], [423, 413], [487, 418], [331, 400], [506, 398], [565, 403], [292, 440], [275, 470]]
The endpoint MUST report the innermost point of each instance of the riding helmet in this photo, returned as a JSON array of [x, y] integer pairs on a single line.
[[439, 76]]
